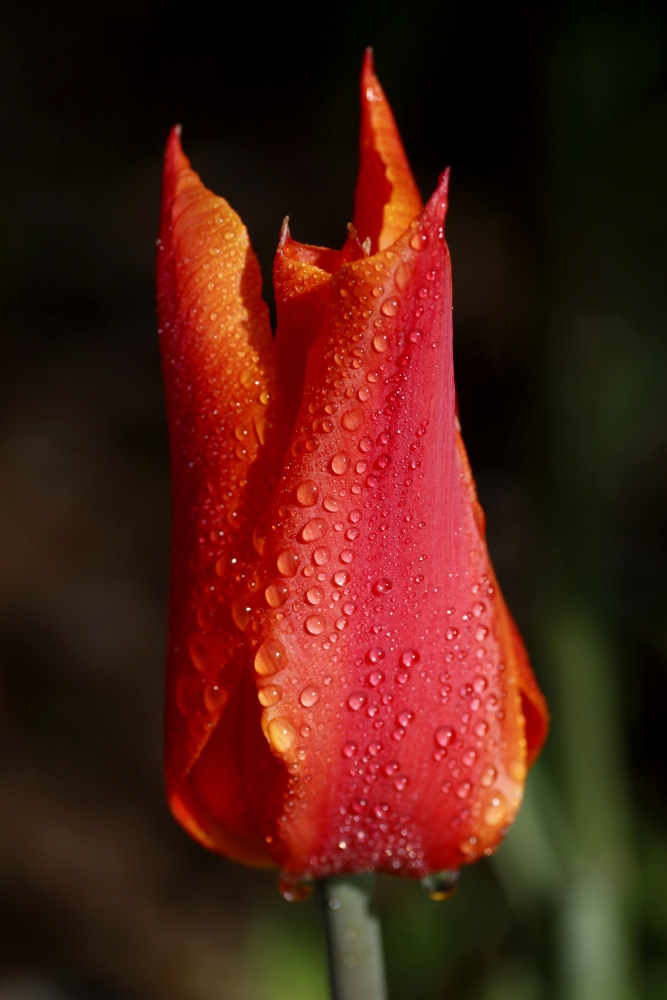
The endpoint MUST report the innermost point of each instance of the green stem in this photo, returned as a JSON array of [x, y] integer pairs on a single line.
[[354, 939]]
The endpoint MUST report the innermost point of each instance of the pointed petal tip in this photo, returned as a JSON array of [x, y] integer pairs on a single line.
[[174, 157]]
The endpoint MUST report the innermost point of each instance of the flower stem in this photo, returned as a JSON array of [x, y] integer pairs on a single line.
[[354, 939]]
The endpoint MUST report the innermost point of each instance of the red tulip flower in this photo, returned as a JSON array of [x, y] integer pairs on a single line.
[[346, 688]]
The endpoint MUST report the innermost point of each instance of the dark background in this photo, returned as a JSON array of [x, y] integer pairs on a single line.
[[554, 121]]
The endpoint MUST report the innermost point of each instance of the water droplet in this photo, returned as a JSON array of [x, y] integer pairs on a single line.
[[348, 750], [375, 654], [418, 240], [402, 277], [356, 700], [346, 556], [451, 634], [281, 734], [463, 789], [365, 445], [341, 577], [481, 633], [479, 684], [441, 885], [400, 782], [287, 562], [444, 735], [309, 696], [352, 419], [375, 677], [313, 530], [331, 504], [314, 595], [241, 610], [294, 889], [321, 555], [307, 493], [408, 657], [380, 343], [389, 307], [405, 717], [479, 609], [340, 463], [496, 813], [269, 695], [469, 757], [215, 697], [276, 594], [488, 777], [270, 657], [315, 624], [382, 586]]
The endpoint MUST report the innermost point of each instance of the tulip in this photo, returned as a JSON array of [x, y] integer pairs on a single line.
[[346, 688]]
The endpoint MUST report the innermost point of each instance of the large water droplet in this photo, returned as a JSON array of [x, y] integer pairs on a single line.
[[287, 562], [313, 530], [382, 586], [307, 493], [340, 463], [276, 594], [389, 307], [356, 700], [315, 624], [341, 577], [314, 595], [294, 889], [408, 657], [352, 419], [269, 695], [270, 657], [309, 696], [441, 885], [281, 735], [380, 343]]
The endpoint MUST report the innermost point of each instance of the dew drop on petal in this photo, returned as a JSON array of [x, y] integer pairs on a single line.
[[281, 735], [269, 695], [341, 577], [314, 595], [315, 624], [287, 562], [352, 419], [340, 463], [270, 657], [307, 493], [309, 696], [382, 586], [276, 594], [356, 700], [389, 307], [313, 530], [380, 343], [444, 735], [408, 657], [321, 555]]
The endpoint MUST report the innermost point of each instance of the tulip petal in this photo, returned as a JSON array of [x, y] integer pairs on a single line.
[[225, 437], [386, 198], [398, 702]]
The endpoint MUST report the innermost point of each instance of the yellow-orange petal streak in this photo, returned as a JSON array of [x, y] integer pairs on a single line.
[[386, 198]]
